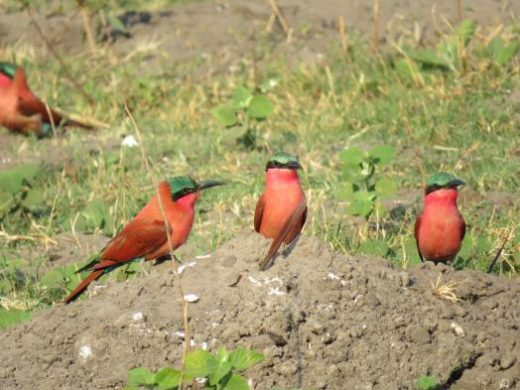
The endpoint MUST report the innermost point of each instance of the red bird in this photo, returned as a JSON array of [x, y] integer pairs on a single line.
[[440, 229], [146, 236], [21, 110], [281, 211]]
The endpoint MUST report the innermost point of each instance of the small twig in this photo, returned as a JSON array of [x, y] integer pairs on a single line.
[[279, 16], [86, 17], [58, 57], [459, 10], [138, 133], [375, 25], [343, 37], [500, 250]]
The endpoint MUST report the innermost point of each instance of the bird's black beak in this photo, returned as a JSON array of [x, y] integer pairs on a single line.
[[455, 183], [210, 183], [294, 165]]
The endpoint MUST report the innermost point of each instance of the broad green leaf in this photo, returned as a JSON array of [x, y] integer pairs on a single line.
[[507, 53], [345, 191], [242, 97], [6, 199], [383, 154], [428, 57], [96, 214], [226, 115], [200, 363], [222, 354], [362, 208], [427, 383], [61, 277], [167, 378], [494, 46], [140, 376], [12, 180], [412, 254], [352, 156], [467, 246], [483, 244], [116, 23], [223, 368], [13, 317], [34, 199], [236, 382], [260, 107], [374, 247], [242, 359], [465, 31], [386, 187]]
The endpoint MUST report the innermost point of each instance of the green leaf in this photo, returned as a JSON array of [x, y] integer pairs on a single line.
[[96, 214], [352, 156], [61, 277], [428, 57], [167, 378], [494, 46], [260, 107], [410, 248], [34, 199], [226, 115], [362, 208], [116, 23], [13, 317], [222, 354], [465, 31], [383, 154], [236, 382], [345, 191], [6, 199], [12, 180], [427, 383], [242, 359], [507, 53], [200, 363], [242, 97], [223, 368], [374, 247], [467, 246], [386, 187], [140, 376], [483, 244]]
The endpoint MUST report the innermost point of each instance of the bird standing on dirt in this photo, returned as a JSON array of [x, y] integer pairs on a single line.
[[281, 211], [163, 224], [440, 229], [21, 110]]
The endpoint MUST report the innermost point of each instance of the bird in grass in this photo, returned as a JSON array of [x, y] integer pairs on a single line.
[[163, 224], [21, 110], [281, 211], [440, 228]]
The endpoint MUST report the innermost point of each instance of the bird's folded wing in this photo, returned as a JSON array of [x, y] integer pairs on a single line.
[[289, 231], [259, 211], [139, 238], [416, 234]]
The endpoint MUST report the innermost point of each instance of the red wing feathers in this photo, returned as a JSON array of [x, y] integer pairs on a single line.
[[416, 234], [259, 211], [139, 238], [291, 228]]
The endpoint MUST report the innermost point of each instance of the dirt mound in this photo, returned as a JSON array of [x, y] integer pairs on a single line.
[[323, 320]]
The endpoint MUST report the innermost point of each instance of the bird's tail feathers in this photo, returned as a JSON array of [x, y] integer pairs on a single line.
[[94, 275]]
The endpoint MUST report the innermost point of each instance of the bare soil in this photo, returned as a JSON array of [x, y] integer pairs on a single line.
[[323, 320]]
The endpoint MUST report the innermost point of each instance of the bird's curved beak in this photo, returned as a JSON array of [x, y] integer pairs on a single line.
[[455, 183], [210, 183], [294, 165]]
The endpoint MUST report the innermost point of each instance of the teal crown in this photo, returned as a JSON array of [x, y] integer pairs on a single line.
[[442, 180], [283, 160], [8, 69]]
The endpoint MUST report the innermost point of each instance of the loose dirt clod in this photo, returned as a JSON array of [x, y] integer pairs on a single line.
[[327, 320]]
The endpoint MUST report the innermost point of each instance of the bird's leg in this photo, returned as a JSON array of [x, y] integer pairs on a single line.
[[177, 259]]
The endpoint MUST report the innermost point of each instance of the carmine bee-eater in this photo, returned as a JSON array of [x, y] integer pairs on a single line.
[[440, 228], [146, 236], [281, 211], [21, 110]]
